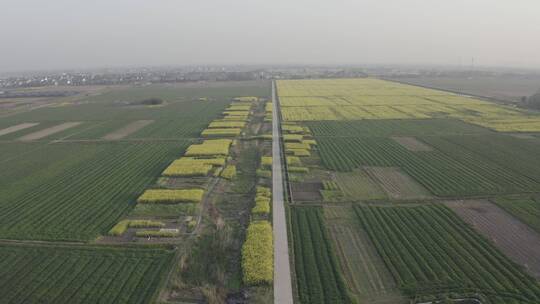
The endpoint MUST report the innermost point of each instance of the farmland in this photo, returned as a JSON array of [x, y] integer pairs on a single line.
[[396, 194], [57, 274], [428, 249], [319, 280], [45, 201], [373, 99], [450, 172], [527, 209], [388, 159], [501, 87], [135, 186], [506, 232]]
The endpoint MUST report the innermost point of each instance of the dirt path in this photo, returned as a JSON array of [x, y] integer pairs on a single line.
[[282, 268]]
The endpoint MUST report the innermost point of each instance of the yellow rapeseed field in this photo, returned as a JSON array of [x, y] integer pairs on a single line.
[[369, 98], [210, 147], [169, 196], [258, 254]]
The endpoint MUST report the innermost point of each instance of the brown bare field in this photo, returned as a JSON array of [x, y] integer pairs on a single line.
[[412, 144], [514, 238], [127, 129], [523, 136], [306, 191], [18, 127], [397, 184], [49, 131], [364, 271]]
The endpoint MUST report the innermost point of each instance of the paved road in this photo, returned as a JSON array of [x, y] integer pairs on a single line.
[[282, 270]]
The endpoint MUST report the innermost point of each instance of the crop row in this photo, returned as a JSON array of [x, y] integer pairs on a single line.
[[450, 172], [81, 196], [429, 250], [518, 155], [317, 270], [42, 274]]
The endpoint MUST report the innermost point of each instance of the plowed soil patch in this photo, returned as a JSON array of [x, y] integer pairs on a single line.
[[127, 129], [514, 238], [17, 128], [49, 131], [362, 267], [306, 192], [412, 144]]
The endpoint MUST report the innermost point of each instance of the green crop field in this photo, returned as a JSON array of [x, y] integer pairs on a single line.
[[57, 274], [429, 250], [517, 155], [451, 171], [76, 191], [317, 274], [76, 167]]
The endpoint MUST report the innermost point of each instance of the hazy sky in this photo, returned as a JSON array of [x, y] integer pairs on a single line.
[[38, 34]]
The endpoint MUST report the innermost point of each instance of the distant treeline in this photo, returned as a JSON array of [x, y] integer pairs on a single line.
[[533, 101], [9, 94]]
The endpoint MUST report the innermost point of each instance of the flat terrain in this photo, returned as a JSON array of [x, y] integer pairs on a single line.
[[428, 249], [363, 268], [412, 144], [16, 128], [127, 129], [506, 232], [315, 261], [77, 174], [526, 209], [399, 194], [60, 274], [386, 157], [396, 184], [504, 87], [374, 99], [358, 185], [49, 131]]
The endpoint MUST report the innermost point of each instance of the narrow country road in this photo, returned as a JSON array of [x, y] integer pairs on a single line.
[[282, 270]]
